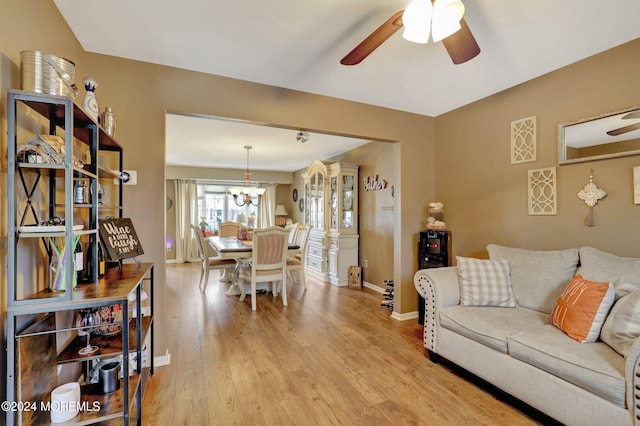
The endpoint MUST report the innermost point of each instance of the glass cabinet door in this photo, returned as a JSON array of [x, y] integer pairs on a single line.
[[334, 203], [348, 217], [315, 179], [312, 202], [320, 202], [307, 200]]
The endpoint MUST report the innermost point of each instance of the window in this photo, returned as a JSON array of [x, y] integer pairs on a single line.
[[215, 205]]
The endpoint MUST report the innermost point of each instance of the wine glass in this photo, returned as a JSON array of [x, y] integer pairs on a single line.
[[88, 319]]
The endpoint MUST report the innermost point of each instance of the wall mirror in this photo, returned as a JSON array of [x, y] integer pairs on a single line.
[[611, 135]]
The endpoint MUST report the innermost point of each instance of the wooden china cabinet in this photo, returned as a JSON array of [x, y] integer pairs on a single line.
[[331, 208]]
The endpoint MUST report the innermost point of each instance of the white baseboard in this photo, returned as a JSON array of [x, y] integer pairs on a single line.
[[404, 317], [394, 314], [159, 361], [170, 261], [373, 287]]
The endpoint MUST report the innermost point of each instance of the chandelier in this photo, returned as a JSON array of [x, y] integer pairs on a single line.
[[248, 195]]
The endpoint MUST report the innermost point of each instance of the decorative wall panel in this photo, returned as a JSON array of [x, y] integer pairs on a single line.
[[542, 191], [523, 140]]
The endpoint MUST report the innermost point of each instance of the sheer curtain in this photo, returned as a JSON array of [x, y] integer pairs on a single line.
[[186, 214], [267, 207]]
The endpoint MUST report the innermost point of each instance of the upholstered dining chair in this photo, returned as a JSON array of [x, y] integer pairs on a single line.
[[296, 263], [293, 231], [228, 229], [268, 262], [207, 261]]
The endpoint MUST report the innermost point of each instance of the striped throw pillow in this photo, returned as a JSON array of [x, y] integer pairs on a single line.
[[485, 282]]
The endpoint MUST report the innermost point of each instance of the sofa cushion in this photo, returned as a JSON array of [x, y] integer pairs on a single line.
[[594, 366], [484, 282], [622, 326], [582, 309], [537, 277], [623, 272], [490, 326]]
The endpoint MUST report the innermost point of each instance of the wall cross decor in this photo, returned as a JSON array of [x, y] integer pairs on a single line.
[[591, 194]]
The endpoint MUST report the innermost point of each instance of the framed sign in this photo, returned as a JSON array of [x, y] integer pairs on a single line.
[[119, 238]]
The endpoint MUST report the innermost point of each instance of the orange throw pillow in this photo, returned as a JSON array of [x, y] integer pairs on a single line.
[[582, 308]]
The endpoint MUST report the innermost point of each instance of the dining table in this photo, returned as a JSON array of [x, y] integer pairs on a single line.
[[241, 251]]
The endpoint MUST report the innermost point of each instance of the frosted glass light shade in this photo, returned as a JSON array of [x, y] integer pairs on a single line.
[[416, 20], [446, 18], [442, 30]]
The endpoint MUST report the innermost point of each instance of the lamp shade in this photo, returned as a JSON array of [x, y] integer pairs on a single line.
[[280, 211]]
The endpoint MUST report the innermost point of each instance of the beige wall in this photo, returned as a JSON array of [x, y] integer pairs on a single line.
[[170, 229], [376, 210], [485, 197]]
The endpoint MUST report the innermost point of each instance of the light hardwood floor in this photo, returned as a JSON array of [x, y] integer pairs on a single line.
[[332, 357]]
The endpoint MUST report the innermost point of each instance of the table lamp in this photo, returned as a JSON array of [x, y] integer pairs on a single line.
[[281, 215]]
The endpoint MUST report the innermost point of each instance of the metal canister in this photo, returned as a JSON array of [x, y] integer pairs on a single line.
[[109, 122], [48, 74]]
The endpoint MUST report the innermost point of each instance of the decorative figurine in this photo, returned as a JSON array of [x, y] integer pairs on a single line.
[[90, 105], [435, 217]]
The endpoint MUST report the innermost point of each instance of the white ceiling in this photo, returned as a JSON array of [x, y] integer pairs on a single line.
[[298, 44]]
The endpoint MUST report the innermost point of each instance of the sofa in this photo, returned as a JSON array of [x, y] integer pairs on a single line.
[[511, 320]]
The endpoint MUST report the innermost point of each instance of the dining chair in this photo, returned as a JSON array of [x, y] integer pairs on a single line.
[[295, 263], [207, 261], [228, 229], [293, 230], [268, 261]]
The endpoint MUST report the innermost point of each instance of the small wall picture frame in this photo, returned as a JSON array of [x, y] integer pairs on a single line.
[[295, 194], [636, 185]]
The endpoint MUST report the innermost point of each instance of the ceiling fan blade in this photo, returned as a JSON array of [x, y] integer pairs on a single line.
[[461, 45], [625, 129], [375, 39], [632, 114]]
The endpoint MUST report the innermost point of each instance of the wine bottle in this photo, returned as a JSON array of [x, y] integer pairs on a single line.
[[101, 261], [79, 256]]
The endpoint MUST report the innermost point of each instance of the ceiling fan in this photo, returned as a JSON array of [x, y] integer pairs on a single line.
[[629, 128], [442, 18]]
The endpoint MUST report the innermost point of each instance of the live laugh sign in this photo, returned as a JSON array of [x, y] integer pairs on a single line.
[[119, 238]]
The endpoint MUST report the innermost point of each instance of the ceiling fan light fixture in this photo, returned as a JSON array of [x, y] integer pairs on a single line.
[[443, 29], [447, 15], [416, 20]]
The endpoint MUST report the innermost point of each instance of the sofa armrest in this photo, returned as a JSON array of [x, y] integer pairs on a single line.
[[632, 376], [439, 287]]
